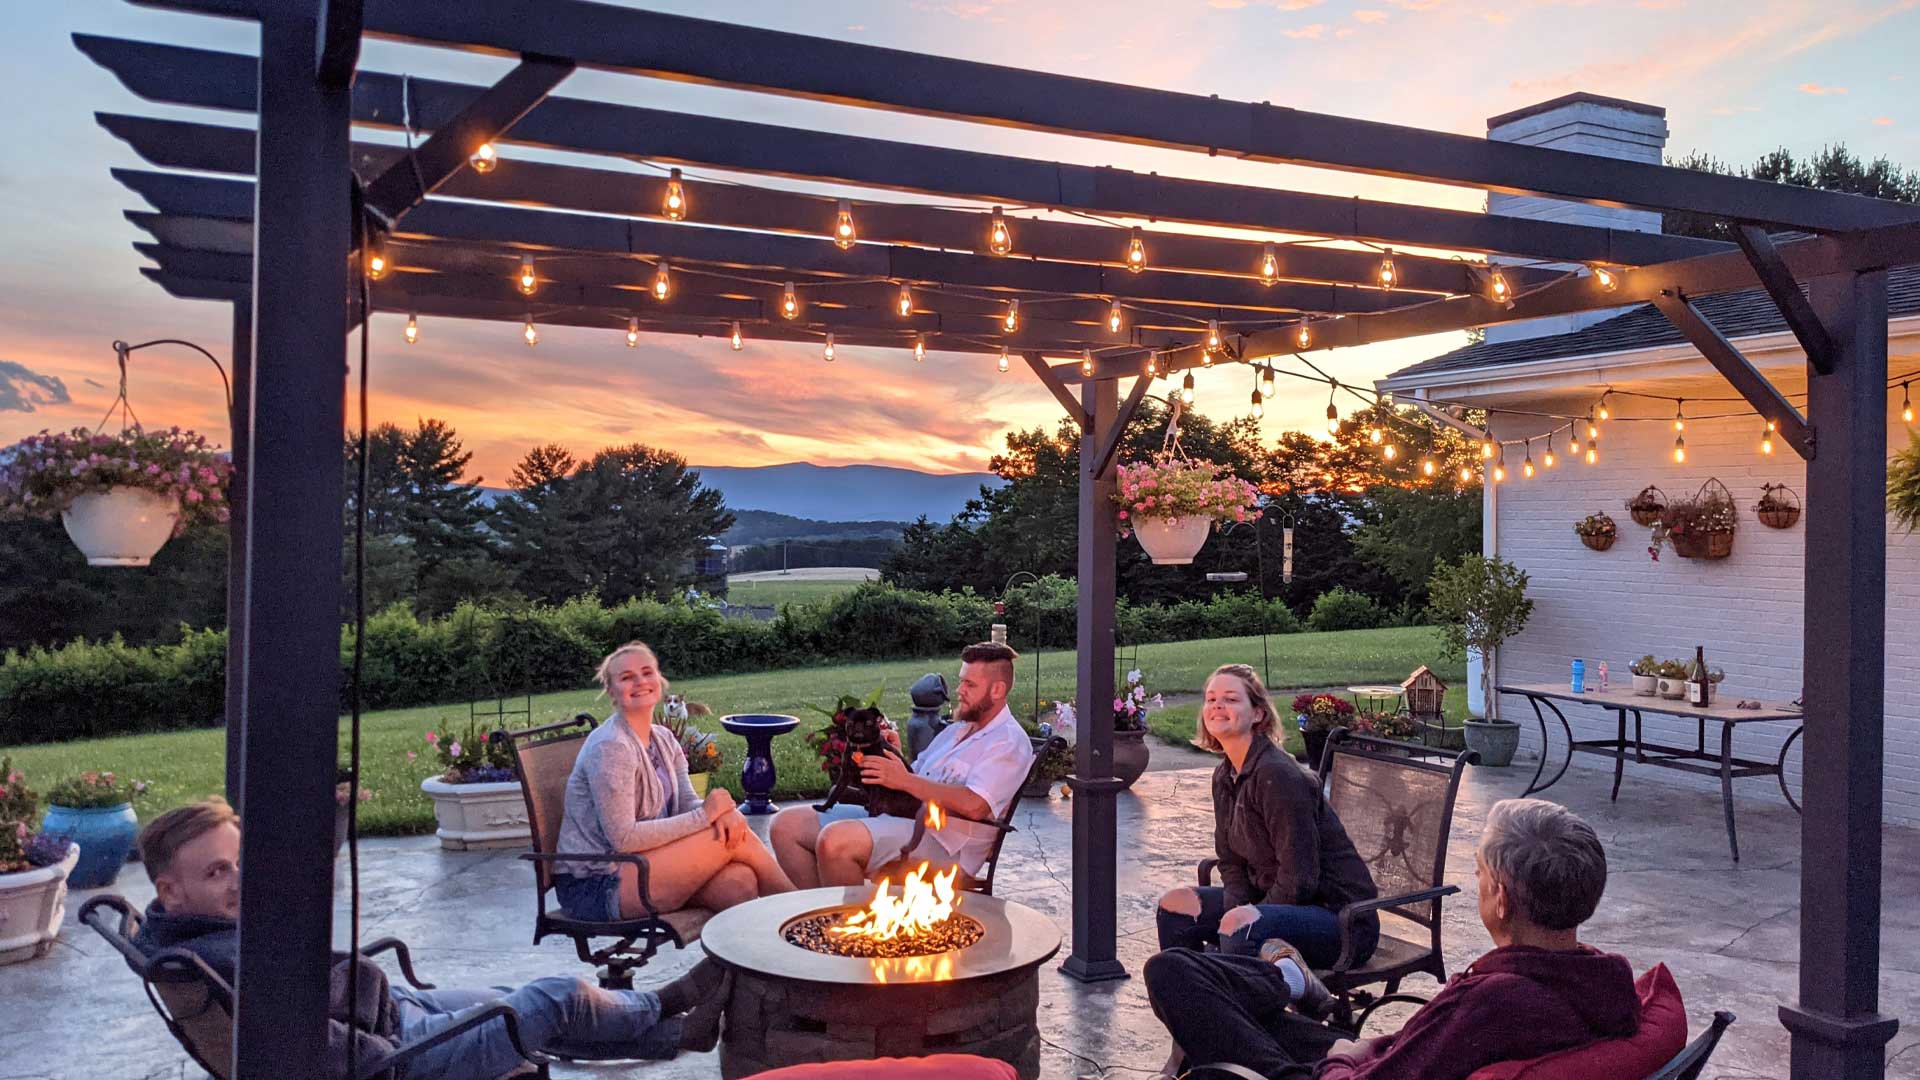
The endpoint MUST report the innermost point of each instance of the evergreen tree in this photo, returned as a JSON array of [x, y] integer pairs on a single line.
[[1833, 168]]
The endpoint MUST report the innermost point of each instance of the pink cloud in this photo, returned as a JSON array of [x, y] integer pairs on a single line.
[[1820, 91], [1312, 32], [1883, 121], [1367, 16]]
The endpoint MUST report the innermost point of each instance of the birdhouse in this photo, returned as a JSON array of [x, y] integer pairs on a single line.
[[1425, 693]]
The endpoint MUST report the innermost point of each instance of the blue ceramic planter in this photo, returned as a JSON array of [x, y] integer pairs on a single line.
[[756, 776], [104, 835]]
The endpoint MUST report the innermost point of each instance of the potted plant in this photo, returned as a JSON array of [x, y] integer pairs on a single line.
[[476, 796], [95, 811], [1673, 679], [34, 868], [1700, 527], [1645, 508], [702, 749], [1480, 602], [1130, 709], [1398, 727], [1778, 508], [1646, 676], [120, 496], [1903, 485], [1172, 502], [1318, 715], [1597, 531]]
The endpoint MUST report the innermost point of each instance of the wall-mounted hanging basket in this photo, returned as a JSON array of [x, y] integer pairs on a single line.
[[1647, 506], [1779, 507], [1597, 531], [1702, 527]]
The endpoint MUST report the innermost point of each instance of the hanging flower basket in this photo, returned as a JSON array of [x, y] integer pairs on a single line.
[[1647, 506], [1779, 507], [121, 496], [1701, 527], [1172, 503], [1173, 541], [1597, 531]]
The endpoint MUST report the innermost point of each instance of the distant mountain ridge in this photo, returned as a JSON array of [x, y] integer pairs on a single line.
[[845, 493], [761, 526]]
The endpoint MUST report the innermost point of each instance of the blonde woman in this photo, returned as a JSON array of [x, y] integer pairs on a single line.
[[629, 794], [1286, 864]]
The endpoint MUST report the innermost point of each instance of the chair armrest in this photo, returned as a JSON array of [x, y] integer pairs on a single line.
[[400, 955], [637, 860], [1205, 871], [1363, 907], [411, 1050]]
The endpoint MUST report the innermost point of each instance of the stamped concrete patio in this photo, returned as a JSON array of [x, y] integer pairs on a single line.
[[1730, 933]]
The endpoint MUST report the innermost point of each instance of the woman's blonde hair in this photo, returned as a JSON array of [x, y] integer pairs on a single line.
[[1266, 718], [604, 675]]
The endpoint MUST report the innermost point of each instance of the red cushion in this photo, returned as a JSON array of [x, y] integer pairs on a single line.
[[936, 1067], [1662, 1034]]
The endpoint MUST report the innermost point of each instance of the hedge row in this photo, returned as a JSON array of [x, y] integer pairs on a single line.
[[86, 689]]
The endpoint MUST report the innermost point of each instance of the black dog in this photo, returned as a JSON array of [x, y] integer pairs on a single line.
[[862, 731]]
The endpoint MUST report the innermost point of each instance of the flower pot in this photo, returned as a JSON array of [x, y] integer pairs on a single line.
[[106, 834], [1175, 541], [1600, 542], [699, 782], [1495, 741], [1673, 688], [1441, 735], [121, 526], [1316, 745], [32, 905], [1130, 756], [478, 815], [1041, 788], [1646, 685]]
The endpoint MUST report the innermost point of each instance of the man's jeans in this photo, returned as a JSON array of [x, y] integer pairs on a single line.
[[570, 1017], [1233, 1009]]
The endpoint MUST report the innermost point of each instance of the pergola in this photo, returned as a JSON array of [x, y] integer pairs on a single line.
[[266, 217]]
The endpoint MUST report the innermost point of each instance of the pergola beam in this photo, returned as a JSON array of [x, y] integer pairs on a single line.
[[1793, 304], [1739, 372], [1075, 411]]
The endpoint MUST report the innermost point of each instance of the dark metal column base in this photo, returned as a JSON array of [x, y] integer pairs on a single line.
[[1093, 971], [1829, 1047]]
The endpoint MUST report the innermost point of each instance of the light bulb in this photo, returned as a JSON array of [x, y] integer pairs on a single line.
[[1547, 459], [1499, 474], [1136, 252], [1011, 321], [1269, 265], [1679, 417], [662, 281], [1593, 429], [376, 262], [1266, 381], [905, 304], [1466, 475], [1605, 413], [531, 335], [789, 302], [1426, 467], [526, 281], [1113, 317], [1259, 410], [1593, 453], [1333, 419], [676, 201], [999, 237], [1766, 440], [735, 339], [1526, 468], [633, 332], [1153, 367], [1390, 452], [1213, 335], [1303, 337], [484, 158], [413, 330], [1498, 289], [1906, 404], [1086, 363], [1387, 275], [1003, 359], [1186, 389], [843, 231], [1373, 435], [1487, 449], [1606, 279], [1679, 448], [827, 353], [919, 348], [1573, 441]]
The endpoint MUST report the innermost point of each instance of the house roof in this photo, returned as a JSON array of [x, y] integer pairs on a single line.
[[1737, 314]]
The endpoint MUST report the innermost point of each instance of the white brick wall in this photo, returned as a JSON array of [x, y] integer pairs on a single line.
[[1746, 609]]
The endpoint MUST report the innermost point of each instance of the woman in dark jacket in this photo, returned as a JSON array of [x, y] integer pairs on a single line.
[[1286, 865]]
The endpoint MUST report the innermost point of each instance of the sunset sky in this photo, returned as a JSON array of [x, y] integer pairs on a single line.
[[1737, 80]]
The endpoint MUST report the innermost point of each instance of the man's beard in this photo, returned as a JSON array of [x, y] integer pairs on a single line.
[[974, 714]]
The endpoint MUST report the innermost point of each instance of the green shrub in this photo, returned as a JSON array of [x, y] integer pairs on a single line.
[[1341, 609]]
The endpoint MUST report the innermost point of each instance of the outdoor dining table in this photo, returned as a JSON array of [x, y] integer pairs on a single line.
[[1696, 759]]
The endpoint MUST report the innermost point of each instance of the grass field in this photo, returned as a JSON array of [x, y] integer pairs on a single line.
[[801, 593], [182, 766]]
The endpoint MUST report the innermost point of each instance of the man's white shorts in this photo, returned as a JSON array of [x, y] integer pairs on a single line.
[[891, 837]]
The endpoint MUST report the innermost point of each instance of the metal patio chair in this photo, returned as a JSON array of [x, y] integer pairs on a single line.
[[1397, 808], [983, 882], [544, 757], [197, 1004], [1690, 1062]]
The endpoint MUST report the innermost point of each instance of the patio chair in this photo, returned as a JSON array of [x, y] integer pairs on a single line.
[[197, 1004], [983, 882], [544, 757], [1397, 807], [1689, 1063]]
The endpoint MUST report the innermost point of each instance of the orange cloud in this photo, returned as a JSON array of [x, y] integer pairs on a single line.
[[1313, 31], [1368, 16], [1820, 91], [1883, 121]]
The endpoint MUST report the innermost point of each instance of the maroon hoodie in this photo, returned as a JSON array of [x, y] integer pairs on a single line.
[[1513, 1004]]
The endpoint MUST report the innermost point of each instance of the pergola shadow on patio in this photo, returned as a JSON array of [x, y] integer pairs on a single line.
[[455, 227]]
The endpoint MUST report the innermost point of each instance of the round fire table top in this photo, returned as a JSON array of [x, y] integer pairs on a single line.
[[751, 937]]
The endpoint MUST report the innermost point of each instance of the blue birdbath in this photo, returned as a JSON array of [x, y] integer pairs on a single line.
[[756, 776]]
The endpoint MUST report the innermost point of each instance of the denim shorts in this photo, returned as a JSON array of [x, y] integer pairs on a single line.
[[595, 898]]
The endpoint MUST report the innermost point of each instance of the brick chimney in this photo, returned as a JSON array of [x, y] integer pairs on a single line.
[[1586, 124]]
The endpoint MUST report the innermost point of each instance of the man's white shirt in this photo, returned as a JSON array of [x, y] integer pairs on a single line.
[[992, 762]]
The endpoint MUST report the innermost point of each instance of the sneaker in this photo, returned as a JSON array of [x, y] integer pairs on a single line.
[[1312, 1001]]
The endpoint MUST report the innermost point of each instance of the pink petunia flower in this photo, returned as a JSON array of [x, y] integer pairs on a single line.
[[432, 739], [454, 749]]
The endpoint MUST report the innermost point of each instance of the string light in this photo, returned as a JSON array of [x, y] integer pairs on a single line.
[[1374, 435], [1391, 452], [1153, 368], [1526, 467], [1906, 404], [413, 330], [1259, 410], [526, 282], [789, 302], [919, 348], [905, 304], [1488, 448], [1012, 320], [1679, 449], [1303, 337], [1766, 439], [1607, 279], [1426, 467], [999, 237], [1266, 380], [1086, 363], [1498, 290], [484, 158], [1333, 414], [676, 201], [1137, 251], [1213, 336], [1466, 475], [1573, 441], [1605, 413], [1679, 416], [633, 332], [827, 353], [1186, 389], [844, 234], [1593, 429], [1593, 454], [1547, 458], [735, 339], [531, 335], [1113, 317], [662, 281], [376, 261], [1003, 359], [1500, 467], [1387, 275], [1269, 265]]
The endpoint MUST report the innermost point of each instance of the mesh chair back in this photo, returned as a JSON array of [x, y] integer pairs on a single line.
[[983, 881], [198, 1008], [1398, 812], [545, 757]]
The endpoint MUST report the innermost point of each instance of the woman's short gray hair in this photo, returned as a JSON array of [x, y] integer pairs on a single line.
[[1549, 860]]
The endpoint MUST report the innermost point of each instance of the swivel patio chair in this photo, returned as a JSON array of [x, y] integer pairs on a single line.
[[197, 1004], [1397, 808], [983, 881], [544, 757]]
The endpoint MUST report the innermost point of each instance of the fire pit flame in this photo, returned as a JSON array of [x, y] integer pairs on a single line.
[[925, 902], [936, 817]]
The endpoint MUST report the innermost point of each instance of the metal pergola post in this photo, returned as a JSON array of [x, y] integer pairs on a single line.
[[241, 416]]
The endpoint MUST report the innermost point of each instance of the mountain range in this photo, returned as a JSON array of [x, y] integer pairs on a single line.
[[845, 493]]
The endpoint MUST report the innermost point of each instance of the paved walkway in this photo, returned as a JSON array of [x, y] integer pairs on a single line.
[[1730, 933]]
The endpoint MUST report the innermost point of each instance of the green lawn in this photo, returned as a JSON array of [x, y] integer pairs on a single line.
[[181, 766], [800, 592]]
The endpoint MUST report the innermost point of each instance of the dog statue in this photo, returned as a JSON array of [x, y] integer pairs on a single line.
[[863, 731]]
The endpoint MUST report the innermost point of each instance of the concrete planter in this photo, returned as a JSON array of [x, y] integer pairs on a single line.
[[1673, 689], [1494, 740], [1130, 756], [1646, 685], [478, 815], [32, 905], [121, 526]]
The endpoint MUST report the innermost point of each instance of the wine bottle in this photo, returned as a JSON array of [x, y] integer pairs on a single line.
[[1699, 686]]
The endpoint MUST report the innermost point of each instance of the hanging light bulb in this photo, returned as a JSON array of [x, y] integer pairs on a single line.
[[1906, 404], [843, 231], [789, 302], [662, 281], [1266, 380], [1466, 475], [919, 348], [1303, 337], [1427, 467], [1679, 448], [1500, 467], [1498, 290], [1605, 413], [1153, 366], [1679, 416], [484, 158], [1113, 317], [1137, 251], [1003, 359], [904, 305], [1269, 265], [1766, 439], [1387, 275], [1186, 389], [531, 335], [1606, 279], [376, 261], [412, 332], [1086, 363], [633, 332], [734, 338], [999, 237], [1593, 453], [1333, 419], [1547, 458], [1213, 335], [1488, 448], [676, 202], [827, 353], [1390, 452], [1526, 467], [1259, 410], [526, 282], [1374, 434], [1011, 321], [1593, 429]]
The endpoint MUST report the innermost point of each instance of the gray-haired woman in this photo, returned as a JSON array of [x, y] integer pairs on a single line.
[[629, 793]]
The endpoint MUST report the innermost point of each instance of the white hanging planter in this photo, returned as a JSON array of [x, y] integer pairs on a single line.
[[1173, 541], [121, 526]]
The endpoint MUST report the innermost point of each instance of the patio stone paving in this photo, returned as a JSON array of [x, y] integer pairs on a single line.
[[1729, 932]]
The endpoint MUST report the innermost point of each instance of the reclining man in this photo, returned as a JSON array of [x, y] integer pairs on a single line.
[[1541, 871], [193, 856], [972, 769]]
